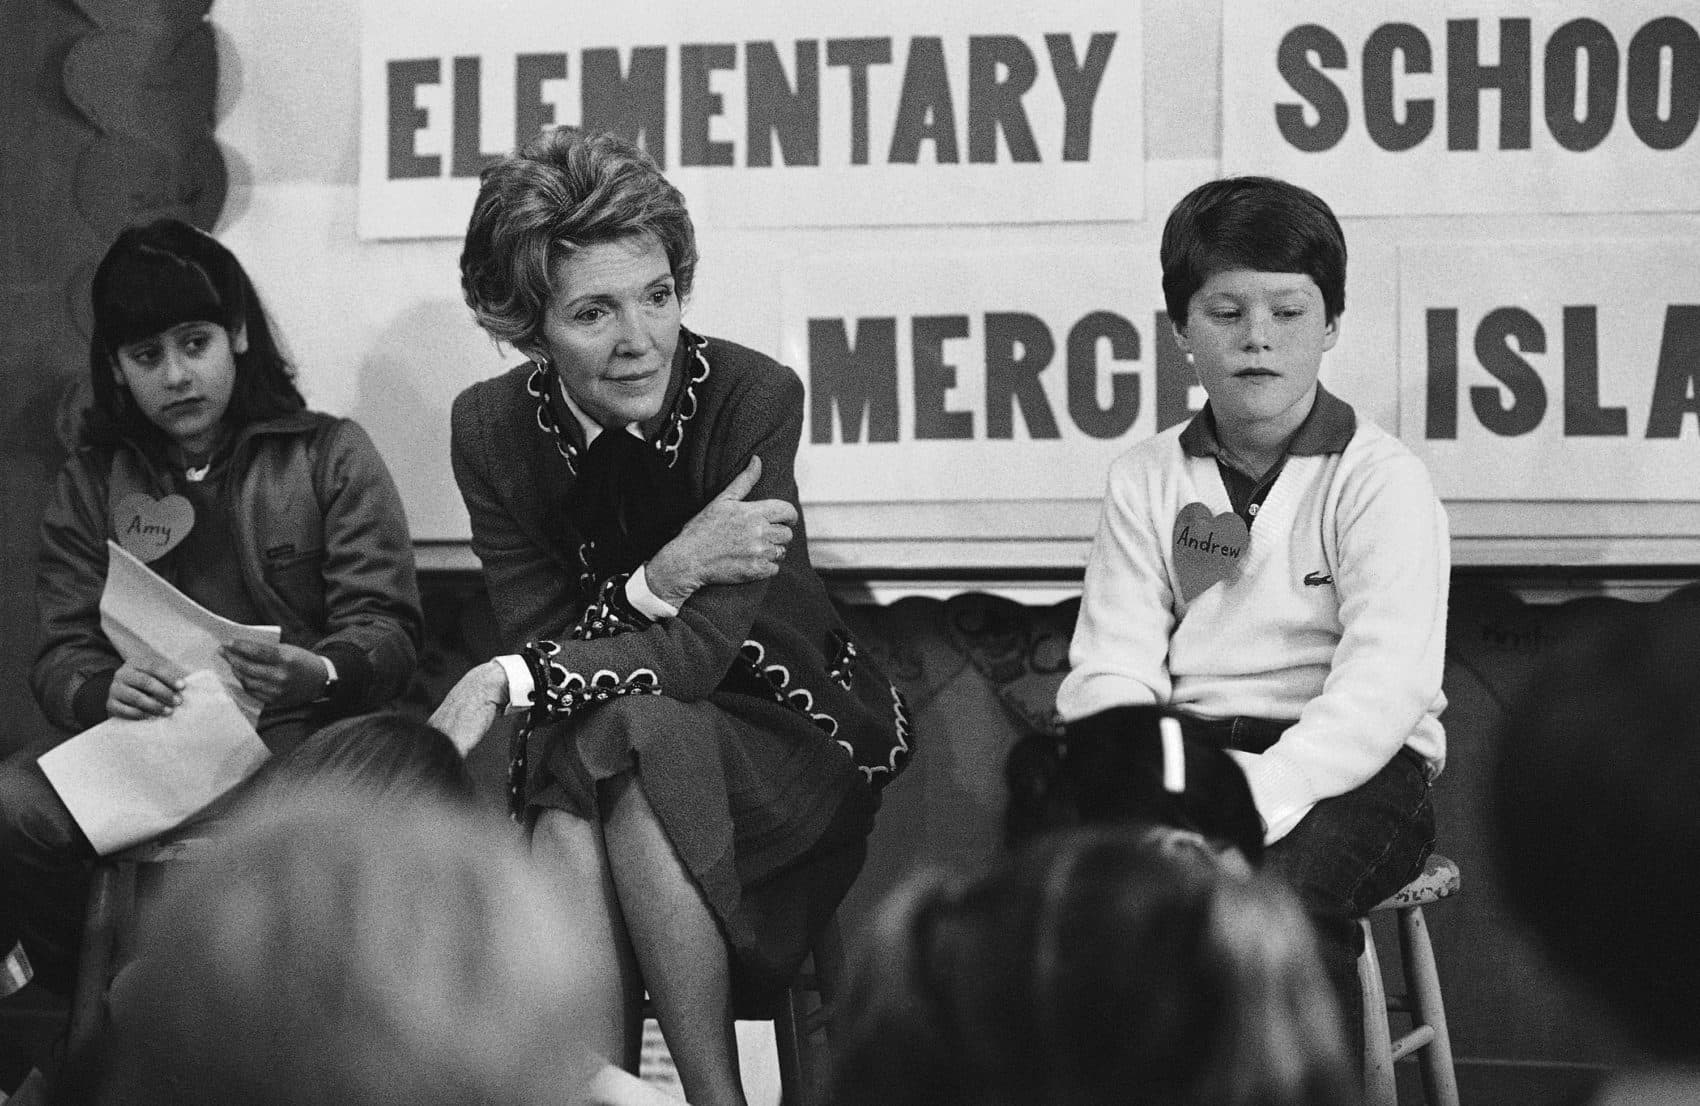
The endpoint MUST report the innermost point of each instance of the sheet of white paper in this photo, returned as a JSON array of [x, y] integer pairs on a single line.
[[144, 616], [127, 782]]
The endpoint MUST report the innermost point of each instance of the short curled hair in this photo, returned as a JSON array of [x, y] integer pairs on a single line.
[[1257, 223], [562, 191]]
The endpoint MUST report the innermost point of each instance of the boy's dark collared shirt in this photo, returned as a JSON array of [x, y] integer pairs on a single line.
[[1328, 428]]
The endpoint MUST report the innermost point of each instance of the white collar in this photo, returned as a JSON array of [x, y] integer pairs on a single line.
[[588, 425]]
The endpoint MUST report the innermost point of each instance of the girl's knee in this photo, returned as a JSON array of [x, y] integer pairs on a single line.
[[32, 816]]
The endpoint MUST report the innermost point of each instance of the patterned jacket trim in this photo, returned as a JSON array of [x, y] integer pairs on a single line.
[[609, 612], [842, 669], [560, 693], [777, 679], [543, 381]]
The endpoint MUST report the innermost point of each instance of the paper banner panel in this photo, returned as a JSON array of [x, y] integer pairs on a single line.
[[1468, 106], [766, 113], [1551, 371]]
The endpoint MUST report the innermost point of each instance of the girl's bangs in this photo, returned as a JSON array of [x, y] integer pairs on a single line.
[[151, 291]]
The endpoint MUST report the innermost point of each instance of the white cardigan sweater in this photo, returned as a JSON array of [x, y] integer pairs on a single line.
[[1356, 661]]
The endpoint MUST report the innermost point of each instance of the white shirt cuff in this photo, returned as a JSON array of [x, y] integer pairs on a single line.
[[520, 684], [646, 601], [330, 679], [1279, 812]]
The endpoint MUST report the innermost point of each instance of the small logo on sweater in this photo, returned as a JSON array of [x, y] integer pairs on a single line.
[[1317, 579]]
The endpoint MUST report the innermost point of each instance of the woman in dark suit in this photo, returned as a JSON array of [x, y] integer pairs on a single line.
[[704, 746]]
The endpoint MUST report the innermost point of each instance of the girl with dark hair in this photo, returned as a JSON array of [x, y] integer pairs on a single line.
[[169, 272], [200, 457]]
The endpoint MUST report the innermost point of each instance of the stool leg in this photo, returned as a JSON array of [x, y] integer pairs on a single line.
[[788, 1047], [828, 958], [1379, 1089], [110, 891], [1422, 980]]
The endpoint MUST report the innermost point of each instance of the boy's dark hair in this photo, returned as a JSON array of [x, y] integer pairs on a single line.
[[1257, 223], [1596, 827], [154, 277], [1112, 768]]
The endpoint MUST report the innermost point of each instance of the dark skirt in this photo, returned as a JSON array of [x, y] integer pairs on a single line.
[[769, 816]]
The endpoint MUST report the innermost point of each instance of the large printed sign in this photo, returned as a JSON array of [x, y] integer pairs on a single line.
[[979, 376], [1463, 106], [1553, 371], [1527, 372], [766, 113]]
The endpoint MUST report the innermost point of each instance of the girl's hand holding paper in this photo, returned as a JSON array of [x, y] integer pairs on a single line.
[[278, 675], [147, 687]]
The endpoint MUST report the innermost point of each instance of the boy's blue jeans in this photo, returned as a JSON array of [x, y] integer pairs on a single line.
[[1348, 854]]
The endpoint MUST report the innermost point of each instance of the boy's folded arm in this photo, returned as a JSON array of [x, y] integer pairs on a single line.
[[1392, 576], [1119, 653]]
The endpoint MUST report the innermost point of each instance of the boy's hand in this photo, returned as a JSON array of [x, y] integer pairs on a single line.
[[277, 675], [145, 689]]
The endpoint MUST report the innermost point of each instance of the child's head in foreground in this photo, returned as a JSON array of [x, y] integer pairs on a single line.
[[1598, 773], [1254, 278], [1110, 965], [339, 950]]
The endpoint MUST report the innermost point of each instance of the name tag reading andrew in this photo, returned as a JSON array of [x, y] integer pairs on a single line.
[[1207, 548]]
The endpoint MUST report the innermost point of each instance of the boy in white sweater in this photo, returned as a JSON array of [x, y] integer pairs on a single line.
[[1275, 570]]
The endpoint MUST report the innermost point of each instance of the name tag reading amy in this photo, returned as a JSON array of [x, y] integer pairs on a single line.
[[150, 528], [1207, 548]]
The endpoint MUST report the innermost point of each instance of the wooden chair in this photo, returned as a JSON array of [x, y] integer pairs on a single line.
[[802, 1028], [1421, 1001]]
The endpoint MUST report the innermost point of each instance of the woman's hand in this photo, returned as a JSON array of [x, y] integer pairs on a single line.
[[730, 541], [145, 689], [473, 705], [277, 675]]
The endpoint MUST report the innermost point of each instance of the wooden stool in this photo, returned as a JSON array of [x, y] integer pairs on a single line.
[[1421, 1000]]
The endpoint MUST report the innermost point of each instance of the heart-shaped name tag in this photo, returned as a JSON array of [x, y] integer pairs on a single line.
[[150, 528], [1208, 548]]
